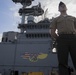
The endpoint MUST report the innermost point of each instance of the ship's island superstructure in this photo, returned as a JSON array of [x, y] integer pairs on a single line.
[[28, 52]]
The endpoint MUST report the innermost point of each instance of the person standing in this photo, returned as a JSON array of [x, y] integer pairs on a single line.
[[65, 38]]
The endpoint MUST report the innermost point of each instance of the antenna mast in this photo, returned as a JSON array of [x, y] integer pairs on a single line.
[[34, 10]]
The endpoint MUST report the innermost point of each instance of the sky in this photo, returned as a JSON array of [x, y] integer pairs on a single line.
[[9, 17]]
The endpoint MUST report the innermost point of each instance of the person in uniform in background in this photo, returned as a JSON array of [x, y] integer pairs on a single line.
[[65, 38]]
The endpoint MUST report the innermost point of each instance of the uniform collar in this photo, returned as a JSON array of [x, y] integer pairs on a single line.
[[63, 15]]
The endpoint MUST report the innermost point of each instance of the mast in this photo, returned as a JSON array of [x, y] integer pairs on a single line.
[[34, 10]]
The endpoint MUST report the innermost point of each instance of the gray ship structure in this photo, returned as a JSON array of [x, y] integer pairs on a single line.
[[28, 52]]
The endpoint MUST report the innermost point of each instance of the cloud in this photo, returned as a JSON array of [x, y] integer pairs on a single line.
[[15, 15], [71, 9], [51, 5], [74, 1], [15, 10]]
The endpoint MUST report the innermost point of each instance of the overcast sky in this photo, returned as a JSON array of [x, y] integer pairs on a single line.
[[9, 18]]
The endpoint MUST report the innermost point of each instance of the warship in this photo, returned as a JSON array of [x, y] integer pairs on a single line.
[[30, 51]]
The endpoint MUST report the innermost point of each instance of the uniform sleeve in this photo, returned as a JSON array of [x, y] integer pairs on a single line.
[[53, 24]]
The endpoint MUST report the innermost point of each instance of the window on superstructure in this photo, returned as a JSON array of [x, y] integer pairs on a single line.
[[44, 35], [44, 26], [38, 35], [35, 35], [40, 26], [29, 35], [32, 35], [47, 26], [32, 26], [27, 26], [6, 39], [41, 35], [35, 26], [47, 35]]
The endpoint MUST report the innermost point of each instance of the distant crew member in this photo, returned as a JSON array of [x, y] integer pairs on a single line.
[[66, 38]]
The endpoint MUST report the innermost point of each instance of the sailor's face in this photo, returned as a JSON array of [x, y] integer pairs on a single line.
[[62, 8]]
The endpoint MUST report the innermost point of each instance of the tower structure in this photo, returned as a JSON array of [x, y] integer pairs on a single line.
[[34, 10]]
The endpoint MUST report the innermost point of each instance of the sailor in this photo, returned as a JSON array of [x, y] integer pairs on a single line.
[[66, 38]]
